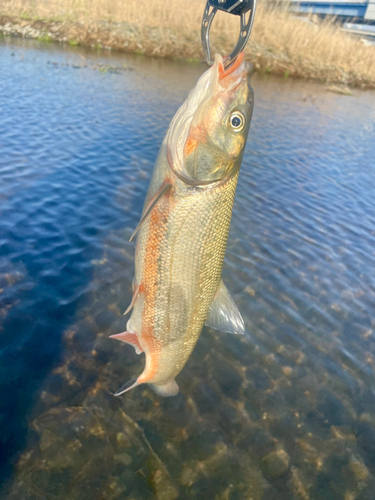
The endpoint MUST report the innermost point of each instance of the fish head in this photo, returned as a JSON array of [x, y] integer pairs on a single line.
[[207, 137]]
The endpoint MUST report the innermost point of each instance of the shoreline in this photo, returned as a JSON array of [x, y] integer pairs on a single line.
[[169, 43]]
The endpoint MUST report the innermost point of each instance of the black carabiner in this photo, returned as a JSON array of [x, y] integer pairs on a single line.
[[236, 7]]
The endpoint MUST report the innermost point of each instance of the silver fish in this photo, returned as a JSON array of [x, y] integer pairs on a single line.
[[184, 227]]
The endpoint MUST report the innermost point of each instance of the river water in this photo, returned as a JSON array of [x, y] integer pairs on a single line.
[[286, 411]]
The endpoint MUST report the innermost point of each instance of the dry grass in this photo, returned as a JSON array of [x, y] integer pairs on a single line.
[[280, 43]]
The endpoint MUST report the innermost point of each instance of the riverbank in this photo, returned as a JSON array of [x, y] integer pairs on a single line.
[[281, 43]]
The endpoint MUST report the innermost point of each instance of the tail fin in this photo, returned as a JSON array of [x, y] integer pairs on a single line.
[[130, 384]]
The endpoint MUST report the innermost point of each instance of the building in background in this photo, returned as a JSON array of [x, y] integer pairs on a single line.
[[361, 11]]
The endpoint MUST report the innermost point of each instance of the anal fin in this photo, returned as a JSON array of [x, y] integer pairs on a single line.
[[129, 338], [224, 314], [164, 188]]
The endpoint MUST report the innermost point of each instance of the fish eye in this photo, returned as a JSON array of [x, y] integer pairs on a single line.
[[237, 121]]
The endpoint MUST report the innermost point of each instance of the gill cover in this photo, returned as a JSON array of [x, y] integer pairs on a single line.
[[207, 136]]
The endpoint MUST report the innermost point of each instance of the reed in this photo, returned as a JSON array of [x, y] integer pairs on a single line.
[[280, 42]]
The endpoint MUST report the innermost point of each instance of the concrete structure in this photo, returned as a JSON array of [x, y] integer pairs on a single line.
[[370, 11]]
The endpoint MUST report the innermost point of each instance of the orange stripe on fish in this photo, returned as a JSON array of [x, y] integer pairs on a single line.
[[156, 232]]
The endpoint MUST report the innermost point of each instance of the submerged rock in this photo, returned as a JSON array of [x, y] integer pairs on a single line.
[[205, 398], [228, 378], [298, 484], [333, 411], [78, 439], [276, 463], [359, 469], [257, 442]]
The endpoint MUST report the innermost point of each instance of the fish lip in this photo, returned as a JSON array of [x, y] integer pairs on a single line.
[[238, 72], [237, 66]]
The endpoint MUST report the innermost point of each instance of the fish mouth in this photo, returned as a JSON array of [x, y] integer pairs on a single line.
[[235, 73], [216, 79]]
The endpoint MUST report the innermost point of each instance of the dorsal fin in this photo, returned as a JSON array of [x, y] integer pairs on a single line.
[[224, 314], [164, 188]]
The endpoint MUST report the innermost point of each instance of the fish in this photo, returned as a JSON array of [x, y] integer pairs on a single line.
[[184, 227]]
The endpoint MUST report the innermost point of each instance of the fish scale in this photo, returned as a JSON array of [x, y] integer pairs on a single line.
[[194, 268]]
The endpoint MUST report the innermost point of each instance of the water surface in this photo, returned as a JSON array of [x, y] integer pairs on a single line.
[[286, 411]]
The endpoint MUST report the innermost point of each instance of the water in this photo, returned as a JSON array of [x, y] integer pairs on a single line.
[[286, 412]]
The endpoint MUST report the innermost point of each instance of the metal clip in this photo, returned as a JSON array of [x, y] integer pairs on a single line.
[[236, 7]]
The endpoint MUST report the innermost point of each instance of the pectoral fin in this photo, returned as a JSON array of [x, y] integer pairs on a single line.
[[224, 314], [134, 298], [164, 188]]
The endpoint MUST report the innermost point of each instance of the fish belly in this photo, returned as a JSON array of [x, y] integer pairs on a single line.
[[179, 258]]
